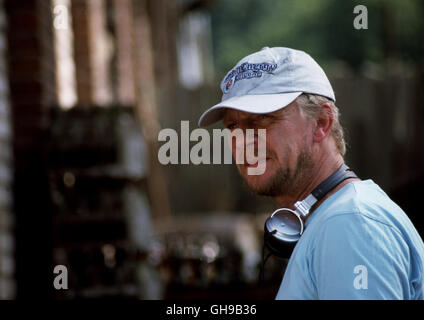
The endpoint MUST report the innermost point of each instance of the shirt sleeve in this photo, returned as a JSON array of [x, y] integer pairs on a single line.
[[356, 257]]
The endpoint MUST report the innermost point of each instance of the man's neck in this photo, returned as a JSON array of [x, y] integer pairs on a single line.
[[316, 175]]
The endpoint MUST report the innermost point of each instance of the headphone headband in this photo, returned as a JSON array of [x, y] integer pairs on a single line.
[[332, 181]]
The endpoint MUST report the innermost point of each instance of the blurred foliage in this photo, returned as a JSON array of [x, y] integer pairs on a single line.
[[322, 28]]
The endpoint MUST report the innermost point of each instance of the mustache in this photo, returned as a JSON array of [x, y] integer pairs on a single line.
[[266, 156]]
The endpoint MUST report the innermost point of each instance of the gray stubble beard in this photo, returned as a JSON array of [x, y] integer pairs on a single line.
[[286, 181]]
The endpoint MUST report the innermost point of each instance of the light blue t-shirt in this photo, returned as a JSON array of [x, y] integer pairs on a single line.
[[358, 244]]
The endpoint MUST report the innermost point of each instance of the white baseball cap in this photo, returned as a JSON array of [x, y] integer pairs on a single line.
[[269, 80]]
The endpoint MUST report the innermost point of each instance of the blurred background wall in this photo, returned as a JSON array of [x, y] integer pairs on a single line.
[[85, 87], [7, 241]]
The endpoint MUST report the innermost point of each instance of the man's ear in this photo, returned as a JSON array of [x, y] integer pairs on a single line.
[[324, 123]]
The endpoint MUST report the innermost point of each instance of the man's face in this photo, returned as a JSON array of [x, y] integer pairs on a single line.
[[289, 143]]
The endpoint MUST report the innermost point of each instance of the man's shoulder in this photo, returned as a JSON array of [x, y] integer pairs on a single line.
[[364, 199], [362, 211]]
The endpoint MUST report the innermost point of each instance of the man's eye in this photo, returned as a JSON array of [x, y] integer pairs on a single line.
[[232, 126], [264, 116]]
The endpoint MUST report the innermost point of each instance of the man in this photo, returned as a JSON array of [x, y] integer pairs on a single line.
[[357, 243]]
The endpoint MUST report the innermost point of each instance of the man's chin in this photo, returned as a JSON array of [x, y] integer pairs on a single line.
[[272, 183], [259, 184]]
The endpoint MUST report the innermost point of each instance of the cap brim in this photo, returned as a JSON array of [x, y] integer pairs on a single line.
[[258, 104]]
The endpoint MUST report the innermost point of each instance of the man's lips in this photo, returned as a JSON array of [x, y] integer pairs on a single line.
[[254, 165]]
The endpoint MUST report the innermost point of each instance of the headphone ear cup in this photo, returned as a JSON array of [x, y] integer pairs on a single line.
[[277, 247]]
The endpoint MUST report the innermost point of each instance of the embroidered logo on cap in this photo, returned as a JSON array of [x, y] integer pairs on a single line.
[[246, 71]]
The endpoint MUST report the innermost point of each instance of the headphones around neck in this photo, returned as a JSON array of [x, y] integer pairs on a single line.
[[285, 226]]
